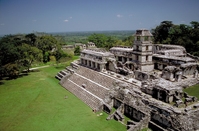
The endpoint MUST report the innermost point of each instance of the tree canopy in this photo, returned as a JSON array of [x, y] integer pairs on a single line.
[[18, 52]]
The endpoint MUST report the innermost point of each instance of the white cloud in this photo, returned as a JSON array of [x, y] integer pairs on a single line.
[[119, 16], [71, 17], [66, 20]]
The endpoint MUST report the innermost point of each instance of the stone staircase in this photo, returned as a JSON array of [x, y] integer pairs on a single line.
[[96, 76], [66, 72], [88, 98], [88, 85]]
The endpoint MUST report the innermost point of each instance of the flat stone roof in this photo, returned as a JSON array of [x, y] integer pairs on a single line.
[[185, 59], [174, 52], [143, 32], [97, 53], [168, 51], [170, 46], [121, 49], [189, 64]]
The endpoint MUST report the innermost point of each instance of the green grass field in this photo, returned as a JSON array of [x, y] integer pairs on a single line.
[[193, 90], [37, 102]]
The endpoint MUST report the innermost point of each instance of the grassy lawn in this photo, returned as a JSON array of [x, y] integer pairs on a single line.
[[37, 102], [193, 90]]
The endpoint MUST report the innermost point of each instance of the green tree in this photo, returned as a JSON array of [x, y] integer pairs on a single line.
[[110, 42], [161, 32], [10, 55], [46, 44], [99, 40], [59, 54], [77, 50], [31, 39], [30, 54], [11, 69], [128, 41]]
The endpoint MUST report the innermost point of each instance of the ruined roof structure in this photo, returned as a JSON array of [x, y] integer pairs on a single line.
[[143, 83], [96, 52]]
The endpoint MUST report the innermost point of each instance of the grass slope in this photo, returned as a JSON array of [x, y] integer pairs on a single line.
[[36, 102]]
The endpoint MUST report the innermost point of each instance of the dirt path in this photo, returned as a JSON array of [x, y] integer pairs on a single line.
[[39, 67]]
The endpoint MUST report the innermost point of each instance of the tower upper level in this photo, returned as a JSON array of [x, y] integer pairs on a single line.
[[143, 37]]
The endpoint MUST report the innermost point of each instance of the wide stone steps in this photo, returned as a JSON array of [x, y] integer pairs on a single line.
[[89, 86], [96, 76], [90, 99], [61, 74]]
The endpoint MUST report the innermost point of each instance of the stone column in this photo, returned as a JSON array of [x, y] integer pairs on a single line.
[[91, 64], [195, 74], [158, 94], [81, 61], [101, 67], [127, 59], [178, 76], [123, 60], [96, 65], [88, 63]]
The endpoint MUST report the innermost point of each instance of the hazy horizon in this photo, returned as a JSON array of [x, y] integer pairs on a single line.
[[24, 16]]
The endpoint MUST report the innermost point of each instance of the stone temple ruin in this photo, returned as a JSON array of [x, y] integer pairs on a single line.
[[142, 83]]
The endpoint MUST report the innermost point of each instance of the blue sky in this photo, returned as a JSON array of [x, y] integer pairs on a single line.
[[26, 16]]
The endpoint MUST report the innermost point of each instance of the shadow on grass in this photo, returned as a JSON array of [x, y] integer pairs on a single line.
[[1, 83], [23, 74], [35, 70], [15, 77]]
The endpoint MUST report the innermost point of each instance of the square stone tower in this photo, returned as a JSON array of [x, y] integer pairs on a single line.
[[142, 50]]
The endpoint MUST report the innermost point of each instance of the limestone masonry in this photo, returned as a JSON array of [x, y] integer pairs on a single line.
[[143, 83]]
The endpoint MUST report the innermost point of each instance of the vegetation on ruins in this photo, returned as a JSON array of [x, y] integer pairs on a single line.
[[38, 102], [182, 34], [18, 52]]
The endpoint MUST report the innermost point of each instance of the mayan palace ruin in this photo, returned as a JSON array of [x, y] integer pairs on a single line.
[[144, 83]]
